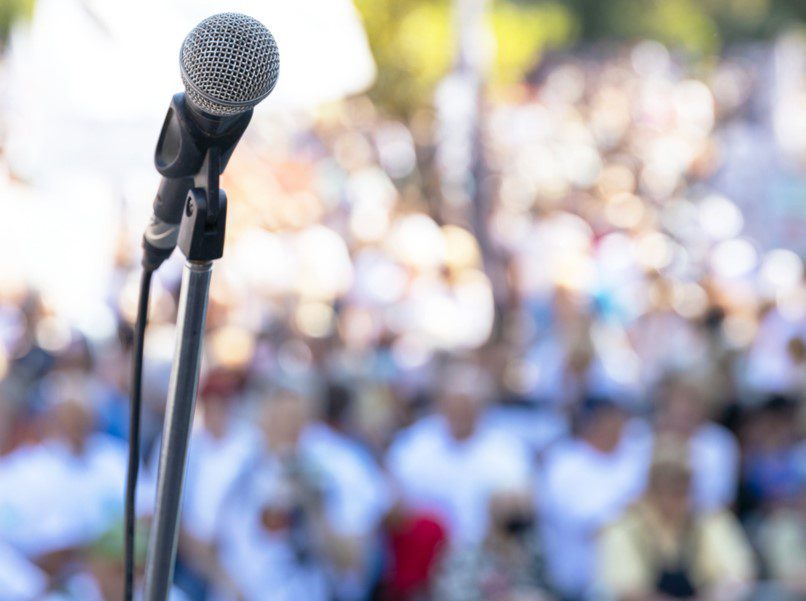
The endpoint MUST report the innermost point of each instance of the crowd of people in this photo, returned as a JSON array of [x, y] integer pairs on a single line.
[[602, 399]]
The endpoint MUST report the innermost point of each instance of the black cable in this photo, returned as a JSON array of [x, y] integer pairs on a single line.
[[134, 428]]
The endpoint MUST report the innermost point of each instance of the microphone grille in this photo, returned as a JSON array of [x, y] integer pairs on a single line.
[[229, 62]]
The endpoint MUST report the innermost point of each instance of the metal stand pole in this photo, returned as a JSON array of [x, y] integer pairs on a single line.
[[178, 420]]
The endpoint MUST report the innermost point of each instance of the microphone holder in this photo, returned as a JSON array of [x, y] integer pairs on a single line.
[[201, 240]]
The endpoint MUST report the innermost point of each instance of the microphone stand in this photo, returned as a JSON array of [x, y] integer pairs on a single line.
[[201, 240]]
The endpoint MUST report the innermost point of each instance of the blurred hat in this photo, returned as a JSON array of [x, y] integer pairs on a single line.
[[594, 406]]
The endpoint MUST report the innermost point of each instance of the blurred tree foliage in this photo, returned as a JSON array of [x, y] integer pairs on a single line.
[[414, 44], [10, 11], [699, 26]]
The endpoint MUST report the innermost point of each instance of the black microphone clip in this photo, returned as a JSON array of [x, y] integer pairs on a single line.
[[192, 151]]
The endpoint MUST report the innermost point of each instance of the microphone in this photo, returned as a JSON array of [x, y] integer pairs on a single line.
[[229, 63]]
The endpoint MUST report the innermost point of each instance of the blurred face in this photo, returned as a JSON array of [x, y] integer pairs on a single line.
[[604, 429], [612, 426], [284, 419], [569, 307], [682, 412], [462, 412], [775, 429], [71, 422], [216, 414], [796, 347]]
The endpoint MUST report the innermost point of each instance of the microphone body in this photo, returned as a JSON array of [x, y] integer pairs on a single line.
[[186, 137]]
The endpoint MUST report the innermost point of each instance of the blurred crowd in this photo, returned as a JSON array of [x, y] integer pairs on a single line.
[[580, 378]]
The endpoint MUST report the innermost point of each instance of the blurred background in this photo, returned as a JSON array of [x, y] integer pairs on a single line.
[[512, 305]]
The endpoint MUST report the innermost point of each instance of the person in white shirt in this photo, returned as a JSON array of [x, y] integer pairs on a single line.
[[586, 482], [270, 545], [83, 469], [449, 463], [357, 500], [221, 448], [300, 520], [20, 579]]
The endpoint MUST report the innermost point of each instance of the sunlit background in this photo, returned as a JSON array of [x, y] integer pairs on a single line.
[[488, 262]]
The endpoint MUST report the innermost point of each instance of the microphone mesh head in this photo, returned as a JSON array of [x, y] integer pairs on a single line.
[[229, 63]]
